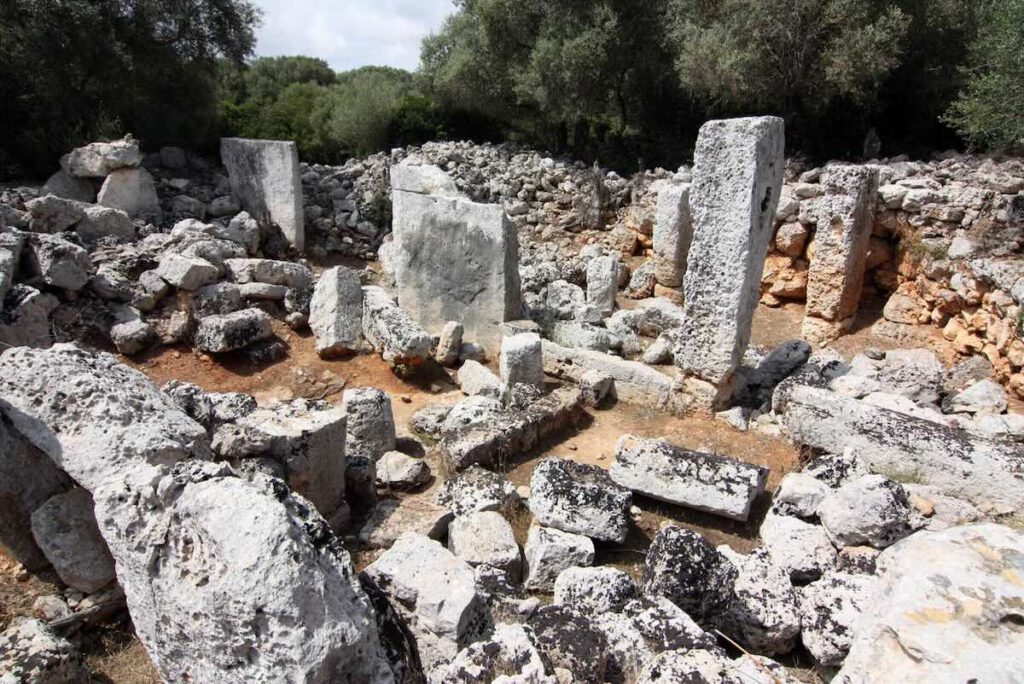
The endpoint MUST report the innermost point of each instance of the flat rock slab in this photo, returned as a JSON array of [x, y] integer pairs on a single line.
[[706, 482], [390, 330], [264, 177], [633, 382], [454, 260]]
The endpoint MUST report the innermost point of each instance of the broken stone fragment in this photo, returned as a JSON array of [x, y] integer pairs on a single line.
[[673, 232], [392, 518], [871, 510], [57, 262], [800, 548], [686, 569], [521, 361], [391, 332], [133, 191], [829, 612], [228, 332], [371, 424], [508, 654], [571, 642], [269, 271], [763, 615], [449, 343], [475, 489], [396, 470], [477, 379], [187, 273], [593, 591], [707, 482], [65, 529], [485, 538], [579, 498], [98, 159]]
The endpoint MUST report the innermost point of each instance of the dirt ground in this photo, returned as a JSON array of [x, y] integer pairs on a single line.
[[116, 656]]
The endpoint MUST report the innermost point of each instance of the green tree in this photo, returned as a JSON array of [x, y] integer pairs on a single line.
[[75, 70], [357, 111], [990, 110]]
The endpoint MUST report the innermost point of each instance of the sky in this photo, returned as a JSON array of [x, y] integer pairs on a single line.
[[350, 33]]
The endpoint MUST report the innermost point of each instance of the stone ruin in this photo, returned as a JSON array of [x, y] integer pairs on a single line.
[[231, 528]]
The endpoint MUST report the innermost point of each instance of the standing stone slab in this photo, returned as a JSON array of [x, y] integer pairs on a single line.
[[673, 233], [133, 191], [707, 482], [336, 311], [602, 284], [845, 215], [371, 423], [264, 177], [454, 259], [737, 179]]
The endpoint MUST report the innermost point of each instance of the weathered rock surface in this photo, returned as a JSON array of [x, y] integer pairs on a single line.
[[475, 489], [521, 361], [800, 548], [871, 510], [58, 262], [829, 612], [632, 382], [280, 602], [336, 311], [946, 609], [673, 232], [762, 615], [485, 538], [435, 594], [390, 330], [31, 652], [264, 177], [396, 470], [707, 482], [593, 591], [133, 191], [94, 417], [571, 642], [476, 379], [508, 655], [98, 159], [737, 177], [579, 498]]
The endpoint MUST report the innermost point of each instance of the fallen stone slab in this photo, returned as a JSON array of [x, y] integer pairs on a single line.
[[57, 262], [706, 482], [434, 593], [454, 259], [336, 311], [236, 330], [308, 439], [236, 580], [93, 416], [28, 478], [508, 433], [737, 178], [956, 462], [549, 552], [269, 271], [945, 609], [390, 330], [632, 382], [579, 498], [264, 176]]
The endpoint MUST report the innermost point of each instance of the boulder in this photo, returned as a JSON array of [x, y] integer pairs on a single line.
[[57, 262], [392, 518], [871, 510], [476, 379], [763, 615], [579, 498], [454, 259], [62, 184], [336, 311], [395, 470], [737, 177], [53, 214], [830, 610], [799, 494], [99, 159], [686, 569], [264, 177], [593, 591], [308, 439], [435, 595], [983, 397], [485, 538], [521, 361], [509, 654], [946, 609], [602, 284], [103, 222], [571, 641], [706, 482], [800, 548], [31, 652], [235, 580], [93, 416], [269, 271], [25, 317], [187, 273], [549, 552], [133, 191], [390, 330], [65, 529], [28, 478], [371, 425], [449, 343], [475, 489], [228, 332]]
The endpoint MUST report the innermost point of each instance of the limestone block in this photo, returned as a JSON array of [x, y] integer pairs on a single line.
[[264, 176]]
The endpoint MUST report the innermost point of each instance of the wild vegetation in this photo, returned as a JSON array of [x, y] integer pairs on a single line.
[[624, 82]]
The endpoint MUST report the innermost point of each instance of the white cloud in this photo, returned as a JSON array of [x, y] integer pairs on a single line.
[[350, 33]]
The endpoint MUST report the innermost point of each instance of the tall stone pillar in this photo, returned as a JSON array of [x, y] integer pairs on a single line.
[[737, 173], [845, 214]]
